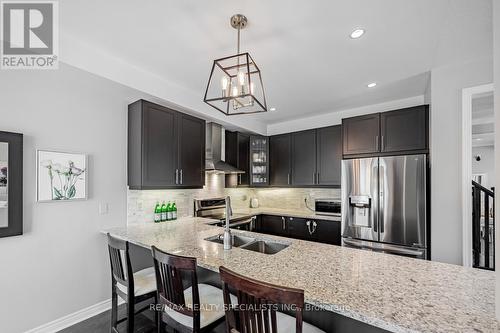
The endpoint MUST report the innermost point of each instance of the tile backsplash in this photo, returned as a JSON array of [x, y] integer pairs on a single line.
[[141, 203]]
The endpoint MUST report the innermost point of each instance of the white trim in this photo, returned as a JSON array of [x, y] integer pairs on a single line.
[[467, 95], [74, 318]]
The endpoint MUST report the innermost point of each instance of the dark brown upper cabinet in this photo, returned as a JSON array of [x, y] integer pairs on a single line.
[[361, 135], [304, 158], [328, 155], [393, 132], [404, 130], [280, 167], [238, 155], [191, 151], [166, 148]]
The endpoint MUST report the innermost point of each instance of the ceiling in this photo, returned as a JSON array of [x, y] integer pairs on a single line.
[[483, 121], [309, 63]]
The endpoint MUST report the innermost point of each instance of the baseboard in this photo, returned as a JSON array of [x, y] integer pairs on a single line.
[[73, 318]]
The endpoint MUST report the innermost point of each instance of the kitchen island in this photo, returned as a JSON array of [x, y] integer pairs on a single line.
[[393, 293]]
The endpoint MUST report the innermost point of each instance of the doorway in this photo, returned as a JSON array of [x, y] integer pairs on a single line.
[[478, 177]]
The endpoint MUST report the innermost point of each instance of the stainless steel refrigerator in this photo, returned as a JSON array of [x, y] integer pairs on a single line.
[[384, 204]]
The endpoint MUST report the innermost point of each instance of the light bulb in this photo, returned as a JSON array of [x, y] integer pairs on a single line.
[[252, 88], [224, 82], [241, 78], [235, 91]]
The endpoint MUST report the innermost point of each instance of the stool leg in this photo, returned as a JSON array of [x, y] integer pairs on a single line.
[[114, 309], [157, 316], [130, 314]]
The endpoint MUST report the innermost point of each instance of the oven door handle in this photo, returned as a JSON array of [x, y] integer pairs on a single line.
[[237, 224]]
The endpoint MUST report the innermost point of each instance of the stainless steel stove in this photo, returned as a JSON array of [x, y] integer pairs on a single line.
[[214, 208]]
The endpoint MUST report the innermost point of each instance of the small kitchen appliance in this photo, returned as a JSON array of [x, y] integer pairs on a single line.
[[330, 207]]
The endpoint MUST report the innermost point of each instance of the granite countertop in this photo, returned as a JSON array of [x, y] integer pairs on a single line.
[[394, 293], [307, 214]]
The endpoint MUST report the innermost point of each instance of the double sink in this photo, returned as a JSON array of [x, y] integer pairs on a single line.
[[250, 243]]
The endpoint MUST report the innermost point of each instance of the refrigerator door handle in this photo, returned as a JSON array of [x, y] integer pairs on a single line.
[[381, 198]]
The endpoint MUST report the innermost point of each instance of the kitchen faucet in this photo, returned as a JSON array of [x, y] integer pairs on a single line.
[[227, 232]]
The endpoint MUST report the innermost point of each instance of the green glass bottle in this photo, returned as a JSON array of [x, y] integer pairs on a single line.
[[169, 211], [157, 214], [174, 211], [163, 211]]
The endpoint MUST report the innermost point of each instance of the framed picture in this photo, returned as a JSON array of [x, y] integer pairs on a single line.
[[61, 176]]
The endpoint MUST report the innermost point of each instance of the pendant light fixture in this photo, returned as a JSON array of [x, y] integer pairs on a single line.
[[235, 83]]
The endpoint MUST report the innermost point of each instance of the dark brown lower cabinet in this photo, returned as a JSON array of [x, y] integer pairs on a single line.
[[327, 232], [322, 231], [272, 225], [297, 228]]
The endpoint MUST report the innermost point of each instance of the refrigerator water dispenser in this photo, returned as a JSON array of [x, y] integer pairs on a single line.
[[359, 210]]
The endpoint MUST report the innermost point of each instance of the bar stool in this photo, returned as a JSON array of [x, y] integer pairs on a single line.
[[255, 309], [198, 308], [132, 287]]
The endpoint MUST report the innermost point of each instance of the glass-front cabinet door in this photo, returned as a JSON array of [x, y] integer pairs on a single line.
[[11, 184], [259, 156]]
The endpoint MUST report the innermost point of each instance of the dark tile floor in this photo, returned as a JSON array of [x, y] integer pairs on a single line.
[[144, 323]]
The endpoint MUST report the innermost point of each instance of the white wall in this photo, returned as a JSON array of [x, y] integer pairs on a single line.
[[486, 165], [447, 83], [60, 264], [496, 56]]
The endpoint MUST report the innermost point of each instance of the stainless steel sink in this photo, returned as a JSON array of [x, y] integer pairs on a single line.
[[266, 247], [250, 243], [238, 240]]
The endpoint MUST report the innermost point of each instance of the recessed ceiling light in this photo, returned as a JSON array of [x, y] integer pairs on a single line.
[[479, 139], [272, 109], [357, 33], [371, 85]]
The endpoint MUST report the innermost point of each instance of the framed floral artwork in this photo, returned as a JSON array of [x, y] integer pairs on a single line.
[[61, 176]]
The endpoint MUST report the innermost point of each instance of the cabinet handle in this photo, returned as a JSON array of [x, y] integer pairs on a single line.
[[288, 179], [176, 176], [181, 177], [283, 223], [314, 225], [317, 178], [314, 177], [376, 142], [239, 178], [382, 142]]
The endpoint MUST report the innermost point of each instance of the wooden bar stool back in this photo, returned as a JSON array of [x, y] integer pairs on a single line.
[[188, 306], [258, 305], [132, 287]]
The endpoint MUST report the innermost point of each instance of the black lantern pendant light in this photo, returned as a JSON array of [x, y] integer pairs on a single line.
[[235, 83]]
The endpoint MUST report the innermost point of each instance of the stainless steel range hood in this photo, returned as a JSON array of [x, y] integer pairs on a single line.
[[214, 149]]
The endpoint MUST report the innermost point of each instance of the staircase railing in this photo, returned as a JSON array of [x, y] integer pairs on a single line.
[[483, 226]]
